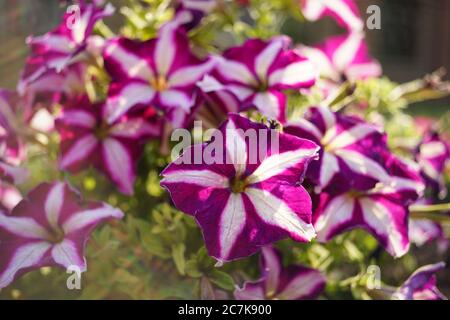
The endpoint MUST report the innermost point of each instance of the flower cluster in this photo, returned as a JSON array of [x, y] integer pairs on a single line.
[[278, 175]]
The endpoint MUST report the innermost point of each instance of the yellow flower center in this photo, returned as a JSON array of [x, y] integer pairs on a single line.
[[56, 235], [159, 83], [238, 185], [102, 131]]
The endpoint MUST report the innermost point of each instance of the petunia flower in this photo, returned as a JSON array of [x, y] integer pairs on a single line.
[[345, 12], [350, 149], [191, 12], [343, 57], [60, 47], [423, 231], [160, 72], [433, 155], [54, 87], [88, 139], [421, 285], [244, 198], [382, 211], [48, 228], [258, 72], [279, 283]]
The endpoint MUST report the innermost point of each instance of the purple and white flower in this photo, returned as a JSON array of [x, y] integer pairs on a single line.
[[54, 87], [345, 12], [421, 285], [191, 12], [350, 149], [48, 228], [382, 211], [88, 139], [433, 156], [258, 72], [247, 198], [61, 47], [161, 73], [343, 57], [279, 283], [423, 231]]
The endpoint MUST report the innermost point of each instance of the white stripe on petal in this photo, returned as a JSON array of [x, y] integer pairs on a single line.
[[177, 99], [23, 227], [301, 286], [81, 149], [379, 218], [433, 149], [359, 163], [119, 164], [25, 256], [204, 178], [308, 126], [131, 64], [82, 219], [241, 92], [327, 116], [348, 137], [80, 25], [54, 42], [364, 70], [272, 270], [266, 58], [278, 163], [65, 254], [298, 72], [130, 96], [190, 75], [338, 211], [236, 71], [78, 118], [53, 204], [328, 169], [346, 53], [345, 13], [236, 147], [134, 129], [210, 84], [166, 47], [268, 104], [275, 212], [320, 60], [232, 222]]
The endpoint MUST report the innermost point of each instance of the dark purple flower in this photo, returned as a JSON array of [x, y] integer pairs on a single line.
[[246, 198]]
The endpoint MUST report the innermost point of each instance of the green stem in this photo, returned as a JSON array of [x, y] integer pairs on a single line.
[[430, 208]]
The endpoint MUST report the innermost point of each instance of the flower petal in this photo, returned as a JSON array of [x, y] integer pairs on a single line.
[[118, 164], [23, 257]]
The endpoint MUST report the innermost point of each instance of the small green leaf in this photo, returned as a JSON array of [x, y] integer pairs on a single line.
[[221, 279], [178, 257]]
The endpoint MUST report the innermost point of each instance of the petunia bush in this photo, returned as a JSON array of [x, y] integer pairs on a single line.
[[192, 149]]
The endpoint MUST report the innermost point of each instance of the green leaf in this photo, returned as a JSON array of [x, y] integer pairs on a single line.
[[221, 279], [178, 257]]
